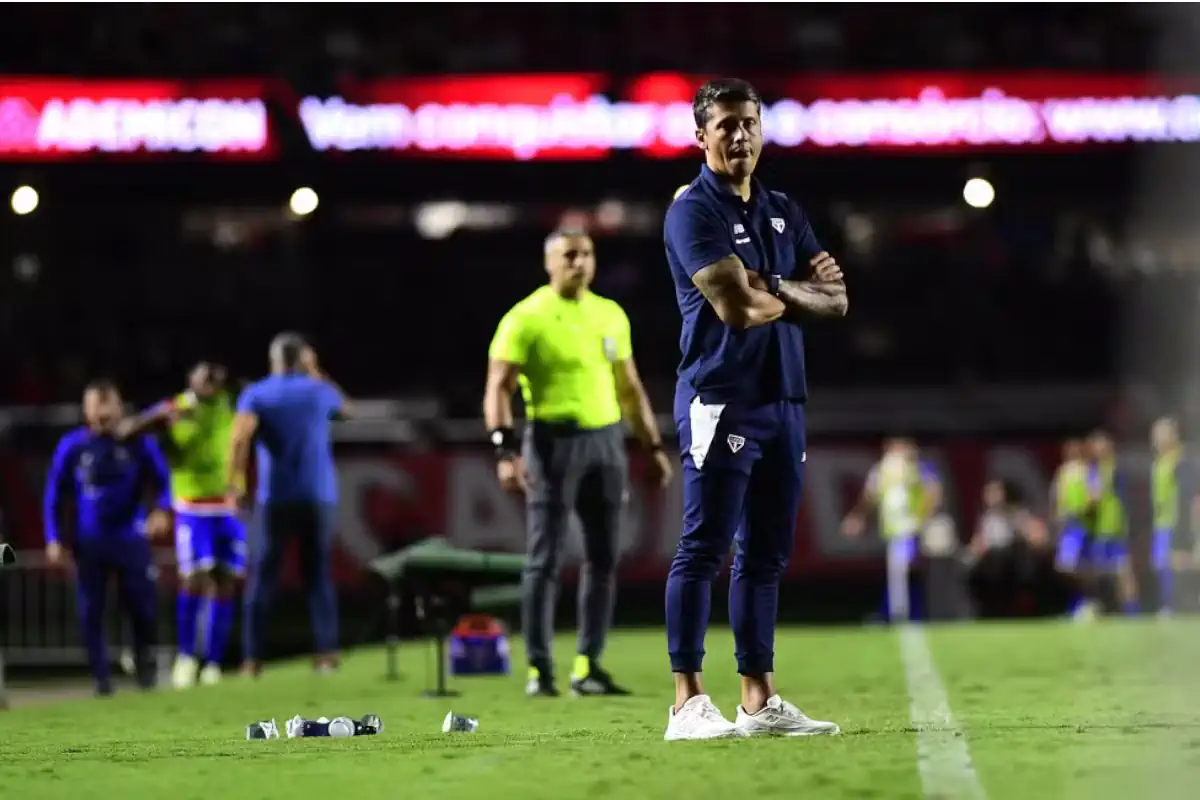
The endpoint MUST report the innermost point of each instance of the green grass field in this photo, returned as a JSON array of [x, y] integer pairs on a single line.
[[1046, 710]]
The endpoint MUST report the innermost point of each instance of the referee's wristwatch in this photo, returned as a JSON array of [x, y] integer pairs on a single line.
[[773, 281], [505, 442]]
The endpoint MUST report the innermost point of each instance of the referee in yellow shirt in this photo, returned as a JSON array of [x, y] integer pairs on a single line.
[[569, 351]]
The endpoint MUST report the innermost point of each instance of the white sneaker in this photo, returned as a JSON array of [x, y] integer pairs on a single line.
[[780, 718], [1087, 612], [698, 718], [210, 675], [183, 674]]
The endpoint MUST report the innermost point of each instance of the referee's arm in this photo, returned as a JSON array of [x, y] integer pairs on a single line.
[[635, 404], [506, 356]]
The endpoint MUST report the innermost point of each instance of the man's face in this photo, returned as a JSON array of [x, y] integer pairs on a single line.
[[101, 409], [1162, 435], [993, 494], [732, 138], [204, 380], [571, 263], [1100, 447]]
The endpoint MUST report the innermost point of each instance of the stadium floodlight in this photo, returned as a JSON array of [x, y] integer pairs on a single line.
[[978, 193], [303, 201], [24, 200]]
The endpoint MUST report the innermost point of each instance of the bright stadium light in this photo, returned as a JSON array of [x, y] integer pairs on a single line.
[[24, 200], [978, 193], [303, 202]]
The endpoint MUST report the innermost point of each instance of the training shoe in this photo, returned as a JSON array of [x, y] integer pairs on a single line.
[[540, 683], [185, 671], [698, 718], [210, 675], [588, 680], [780, 718]]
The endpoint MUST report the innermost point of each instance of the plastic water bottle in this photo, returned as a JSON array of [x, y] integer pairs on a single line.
[[338, 727], [453, 723], [264, 729]]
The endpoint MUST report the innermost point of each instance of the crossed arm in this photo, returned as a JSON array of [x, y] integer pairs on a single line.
[[741, 299]]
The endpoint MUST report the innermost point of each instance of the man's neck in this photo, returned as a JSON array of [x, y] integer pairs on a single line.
[[739, 186], [568, 294]]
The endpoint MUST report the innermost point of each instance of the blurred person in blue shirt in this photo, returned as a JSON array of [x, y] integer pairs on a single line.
[[289, 413], [120, 491]]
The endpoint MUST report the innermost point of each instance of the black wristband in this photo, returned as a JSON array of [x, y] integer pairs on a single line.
[[773, 284], [506, 443]]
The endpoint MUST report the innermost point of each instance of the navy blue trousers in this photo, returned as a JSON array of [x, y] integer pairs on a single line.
[[743, 474], [126, 555], [273, 525]]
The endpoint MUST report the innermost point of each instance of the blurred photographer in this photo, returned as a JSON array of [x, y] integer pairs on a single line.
[[1004, 550]]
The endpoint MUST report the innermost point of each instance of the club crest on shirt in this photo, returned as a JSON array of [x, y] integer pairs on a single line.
[[777, 223], [610, 348], [735, 442]]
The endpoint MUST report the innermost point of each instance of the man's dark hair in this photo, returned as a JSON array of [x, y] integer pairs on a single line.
[[286, 349], [722, 91], [101, 386]]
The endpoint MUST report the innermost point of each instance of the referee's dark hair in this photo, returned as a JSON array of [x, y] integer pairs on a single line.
[[286, 350], [102, 386], [720, 91]]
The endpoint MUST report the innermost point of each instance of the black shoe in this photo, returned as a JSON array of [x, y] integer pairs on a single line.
[[596, 682], [104, 689], [540, 683]]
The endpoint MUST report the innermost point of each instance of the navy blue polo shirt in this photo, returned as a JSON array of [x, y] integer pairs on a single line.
[[771, 235]]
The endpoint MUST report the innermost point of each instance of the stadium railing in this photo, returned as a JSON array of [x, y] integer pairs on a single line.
[[39, 622]]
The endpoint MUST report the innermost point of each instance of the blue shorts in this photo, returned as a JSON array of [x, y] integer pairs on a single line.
[[1073, 547], [903, 548], [1108, 554], [1161, 546], [206, 541]]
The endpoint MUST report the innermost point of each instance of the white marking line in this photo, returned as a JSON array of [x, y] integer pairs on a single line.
[[943, 758]]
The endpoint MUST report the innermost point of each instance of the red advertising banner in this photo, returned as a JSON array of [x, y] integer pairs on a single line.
[[56, 119], [390, 499], [590, 116], [525, 117]]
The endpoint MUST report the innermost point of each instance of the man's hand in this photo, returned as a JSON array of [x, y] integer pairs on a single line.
[[511, 472], [853, 525], [158, 524], [236, 497], [308, 362], [661, 470], [825, 268], [57, 555]]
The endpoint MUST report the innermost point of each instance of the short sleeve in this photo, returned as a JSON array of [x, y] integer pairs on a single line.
[[511, 342], [331, 398], [807, 245], [695, 236], [624, 341], [248, 401]]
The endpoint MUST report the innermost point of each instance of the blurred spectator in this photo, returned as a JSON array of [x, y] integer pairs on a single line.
[[946, 591], [1003, 553]]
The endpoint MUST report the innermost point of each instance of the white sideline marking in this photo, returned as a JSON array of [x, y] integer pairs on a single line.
[[943, 758]]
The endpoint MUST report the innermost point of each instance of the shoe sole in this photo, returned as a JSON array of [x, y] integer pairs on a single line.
[[790, 734], [736, 734]]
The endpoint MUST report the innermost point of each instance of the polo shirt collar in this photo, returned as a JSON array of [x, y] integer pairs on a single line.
[[724, 191]]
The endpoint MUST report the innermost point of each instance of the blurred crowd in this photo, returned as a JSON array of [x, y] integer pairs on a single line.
[[311, 43], [149, 276]]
